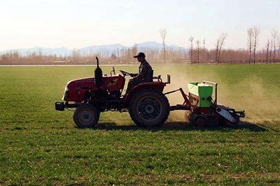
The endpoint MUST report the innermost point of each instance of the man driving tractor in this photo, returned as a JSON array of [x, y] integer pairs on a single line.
[[145, 72]]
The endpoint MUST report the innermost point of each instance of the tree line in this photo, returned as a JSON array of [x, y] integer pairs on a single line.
[[253, 54], [196, 54]]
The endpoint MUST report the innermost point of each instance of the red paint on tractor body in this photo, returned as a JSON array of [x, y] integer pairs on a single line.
[[76, 89]]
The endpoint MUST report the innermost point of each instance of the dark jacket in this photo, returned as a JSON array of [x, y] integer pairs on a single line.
[[145, 72]]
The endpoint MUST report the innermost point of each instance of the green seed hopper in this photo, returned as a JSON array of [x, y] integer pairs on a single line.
[[200, 94]]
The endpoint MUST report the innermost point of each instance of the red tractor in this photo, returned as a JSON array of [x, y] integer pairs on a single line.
[[146, 102]]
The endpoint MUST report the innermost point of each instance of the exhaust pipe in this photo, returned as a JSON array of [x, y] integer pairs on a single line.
[[98, 75]]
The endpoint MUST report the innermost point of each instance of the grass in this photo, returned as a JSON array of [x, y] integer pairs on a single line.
[[39, 145]]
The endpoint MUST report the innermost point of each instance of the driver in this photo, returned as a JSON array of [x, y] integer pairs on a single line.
[[145, 72]]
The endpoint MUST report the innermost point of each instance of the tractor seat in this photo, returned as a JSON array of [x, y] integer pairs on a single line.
[[151, 76], [155, 77]]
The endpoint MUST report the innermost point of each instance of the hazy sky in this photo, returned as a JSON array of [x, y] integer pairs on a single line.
[[79, 23]]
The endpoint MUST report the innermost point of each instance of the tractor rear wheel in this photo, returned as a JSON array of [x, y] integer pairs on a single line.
[[86, 116], [149, 108]]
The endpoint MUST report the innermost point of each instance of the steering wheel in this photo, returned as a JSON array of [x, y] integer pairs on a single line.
[[124, 73]]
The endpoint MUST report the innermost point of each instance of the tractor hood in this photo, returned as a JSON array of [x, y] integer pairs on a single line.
[[76, 89], [110, 83], [78, 84]]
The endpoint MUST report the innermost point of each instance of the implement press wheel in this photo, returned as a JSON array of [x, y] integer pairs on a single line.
[[199, 121]]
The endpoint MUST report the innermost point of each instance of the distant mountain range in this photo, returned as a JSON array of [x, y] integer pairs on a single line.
[[109, 49]]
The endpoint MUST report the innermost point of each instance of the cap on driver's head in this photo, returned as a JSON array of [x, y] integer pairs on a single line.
[[140, 54]]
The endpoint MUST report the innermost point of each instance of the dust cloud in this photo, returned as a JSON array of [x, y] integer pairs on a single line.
[[260, 101]]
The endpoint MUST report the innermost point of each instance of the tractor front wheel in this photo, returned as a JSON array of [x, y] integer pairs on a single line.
[[86, 116], [149, 108]]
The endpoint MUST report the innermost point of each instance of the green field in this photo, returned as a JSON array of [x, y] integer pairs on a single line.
[[39, 145]]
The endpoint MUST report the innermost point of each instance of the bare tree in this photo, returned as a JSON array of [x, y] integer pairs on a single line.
[[217, 50], [134, 51], [267, 51], [278, 40], [203, 44], [271, 49], [274, 34], [256, 33], [250, 43], [76, 55], [198, 43], [220, 43], [191, 50], [204, 53], [163, 33]]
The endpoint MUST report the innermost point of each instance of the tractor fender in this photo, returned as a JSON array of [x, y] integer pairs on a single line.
[[155, 85]]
